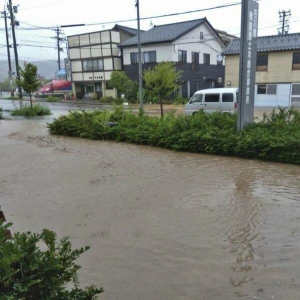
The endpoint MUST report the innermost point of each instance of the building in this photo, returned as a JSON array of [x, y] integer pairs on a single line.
[[194, 46], [93, 57], [277, 69]]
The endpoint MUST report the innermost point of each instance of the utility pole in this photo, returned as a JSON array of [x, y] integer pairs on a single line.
[[59, 49], [284, 18], [8, 52], [12, 10], [139, 55]]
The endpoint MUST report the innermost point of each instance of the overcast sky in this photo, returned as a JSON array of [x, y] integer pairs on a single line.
[[61, 12]]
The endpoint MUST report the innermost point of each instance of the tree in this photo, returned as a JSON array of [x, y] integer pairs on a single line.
[[162, 80], [29, 80], [27, 272], [5, 85], [120, 81]]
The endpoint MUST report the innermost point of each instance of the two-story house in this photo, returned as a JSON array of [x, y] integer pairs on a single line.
[[93, 57], [277, 69], [195, 47]]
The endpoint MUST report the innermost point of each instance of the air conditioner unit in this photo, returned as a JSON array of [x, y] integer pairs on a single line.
[[220, 79]]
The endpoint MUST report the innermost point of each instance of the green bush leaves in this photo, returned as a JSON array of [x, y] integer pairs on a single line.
[[275, 138]]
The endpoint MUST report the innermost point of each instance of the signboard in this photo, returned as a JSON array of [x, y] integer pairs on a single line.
[[248, 53]]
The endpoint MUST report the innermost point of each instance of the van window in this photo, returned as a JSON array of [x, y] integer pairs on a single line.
[[212, 97], [228, 97], [196, 98]]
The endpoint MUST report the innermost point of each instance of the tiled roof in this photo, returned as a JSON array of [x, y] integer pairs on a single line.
[[164, 33], [271, 43], [129, 30]]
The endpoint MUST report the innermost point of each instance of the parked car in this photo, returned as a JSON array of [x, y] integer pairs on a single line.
[[211, 100]]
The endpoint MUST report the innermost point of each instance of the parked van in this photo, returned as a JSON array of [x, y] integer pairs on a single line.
[[211, 100]]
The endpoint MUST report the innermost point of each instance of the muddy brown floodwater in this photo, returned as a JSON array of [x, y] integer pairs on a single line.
[[161, 224]]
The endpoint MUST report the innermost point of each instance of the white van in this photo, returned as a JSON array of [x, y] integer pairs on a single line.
[[211, 100]]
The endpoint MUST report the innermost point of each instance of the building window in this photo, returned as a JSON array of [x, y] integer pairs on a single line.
[[296, 89], [195, 61], [182, 56], [262, 62], [149, 57], [267, 89], [134, 58], [92, 64], [206, 59], [108, 86], [201, 36], [296, 61]]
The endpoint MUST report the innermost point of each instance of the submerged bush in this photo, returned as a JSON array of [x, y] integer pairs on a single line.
[[275, 138], [53, 99], [28, 111]]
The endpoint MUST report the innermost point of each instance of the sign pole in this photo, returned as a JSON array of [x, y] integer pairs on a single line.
[[248, 53]]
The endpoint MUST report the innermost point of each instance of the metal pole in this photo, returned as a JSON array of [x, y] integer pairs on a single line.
[[139, 55], [12, 19], [8, 54]]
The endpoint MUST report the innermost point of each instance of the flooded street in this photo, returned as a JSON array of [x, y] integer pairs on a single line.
[[161, 224]]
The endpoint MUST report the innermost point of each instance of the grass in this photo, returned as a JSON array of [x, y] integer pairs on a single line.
[[275, 138], [28, 111]]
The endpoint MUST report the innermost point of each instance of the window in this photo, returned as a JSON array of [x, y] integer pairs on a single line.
[[206, 59], [195, 61], [149, 57], [92, 64], [108, 86], [228, 97], [134, 58], [212, 97], [182, 56], [296, 89], [267, 89], [262, 62], [201, 36], [197, 98], [220, 61], [296, 61]]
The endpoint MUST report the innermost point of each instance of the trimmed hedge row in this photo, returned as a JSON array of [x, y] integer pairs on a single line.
[[275, 138]]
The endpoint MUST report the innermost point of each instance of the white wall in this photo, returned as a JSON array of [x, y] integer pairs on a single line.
[[282, 97], [163, 52], [191, 42]]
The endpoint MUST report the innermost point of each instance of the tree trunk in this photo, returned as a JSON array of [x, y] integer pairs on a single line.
[[30, 100], [161, 107]]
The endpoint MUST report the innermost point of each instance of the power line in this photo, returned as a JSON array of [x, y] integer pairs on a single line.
[[36, 27]]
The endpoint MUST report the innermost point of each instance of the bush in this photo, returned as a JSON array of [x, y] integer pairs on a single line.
[[28, 272], [1, 115], [108, 100], [13, 98], [275, 138], [180, 100], [119, 101], [28, 111], [53, 99]]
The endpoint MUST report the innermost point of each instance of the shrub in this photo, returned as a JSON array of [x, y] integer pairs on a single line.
[[53, 99], [119, 101], [180, 100], [28, 272], [1, 115], [107, 99], [13, 98], [275, 138], [36, 110]]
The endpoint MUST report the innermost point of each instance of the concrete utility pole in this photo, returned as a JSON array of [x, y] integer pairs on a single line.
[[13, 10], [59, 49], [248, 41], [137, 4], [8, 52], [284, 18]]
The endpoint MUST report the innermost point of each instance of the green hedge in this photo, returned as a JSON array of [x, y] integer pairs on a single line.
[[275, 138], [35, 110]]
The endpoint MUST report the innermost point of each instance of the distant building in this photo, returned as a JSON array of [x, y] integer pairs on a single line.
[[195, 46], [277, 69], [93, 57]]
